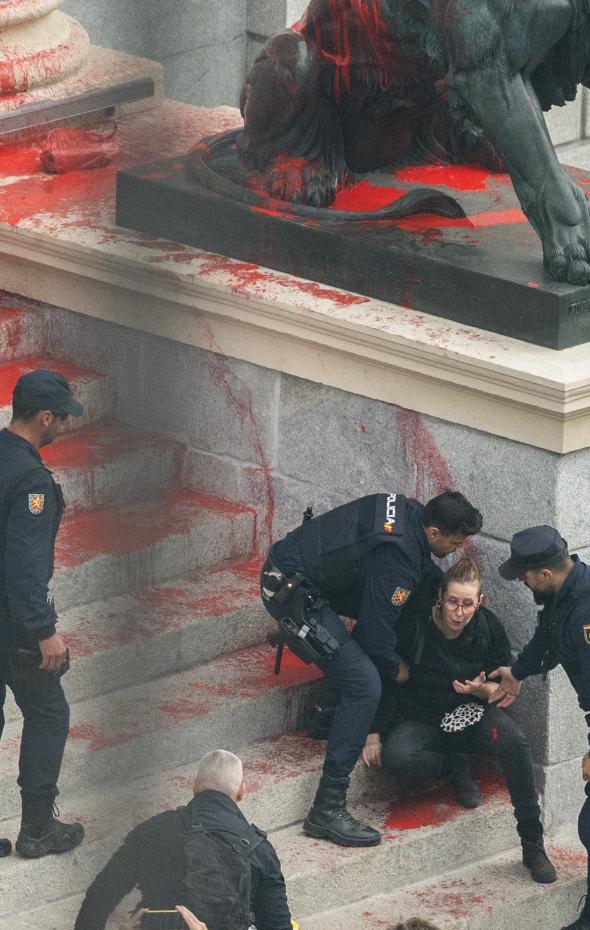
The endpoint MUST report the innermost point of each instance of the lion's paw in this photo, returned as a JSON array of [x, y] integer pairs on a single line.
[[301, 181]]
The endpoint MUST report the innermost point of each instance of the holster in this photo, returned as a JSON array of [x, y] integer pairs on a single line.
[[300, 628]]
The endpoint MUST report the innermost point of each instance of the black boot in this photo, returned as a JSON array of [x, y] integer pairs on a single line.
[[533, 852], [329, 818], [462, 783], [41, 833], [5, 848], [583, 921]]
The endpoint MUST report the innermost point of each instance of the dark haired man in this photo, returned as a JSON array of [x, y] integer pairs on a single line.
[[32, 655], [560, 584], [362, 560]]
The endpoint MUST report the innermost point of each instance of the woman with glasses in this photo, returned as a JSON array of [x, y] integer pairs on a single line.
[[426, 728]]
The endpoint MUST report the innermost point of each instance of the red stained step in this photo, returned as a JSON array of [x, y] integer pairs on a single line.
[[20, 333], [118, 531]]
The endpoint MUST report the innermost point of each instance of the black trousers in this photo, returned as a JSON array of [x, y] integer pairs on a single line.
[[418, 753], [584, 827], [358, 685], [46, 719]]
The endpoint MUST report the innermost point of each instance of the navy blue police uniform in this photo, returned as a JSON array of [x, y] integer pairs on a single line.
[[362, 560], [562, 637], [31, 506]]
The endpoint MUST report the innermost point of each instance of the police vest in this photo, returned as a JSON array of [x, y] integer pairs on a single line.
[[335, 544]]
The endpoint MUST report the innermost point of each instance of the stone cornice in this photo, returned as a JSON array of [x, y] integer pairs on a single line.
[[458, 373]]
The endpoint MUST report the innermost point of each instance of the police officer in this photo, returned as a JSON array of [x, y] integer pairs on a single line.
[[560, 584], [361, 560], [32, 655]]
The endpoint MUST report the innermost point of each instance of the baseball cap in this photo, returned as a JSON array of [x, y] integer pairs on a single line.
[[46, 390], [535, 547]]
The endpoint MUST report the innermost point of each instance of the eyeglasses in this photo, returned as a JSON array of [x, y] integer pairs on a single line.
[[455, 602]]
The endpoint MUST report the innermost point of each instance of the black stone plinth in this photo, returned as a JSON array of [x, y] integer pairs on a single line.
[[485, 270]]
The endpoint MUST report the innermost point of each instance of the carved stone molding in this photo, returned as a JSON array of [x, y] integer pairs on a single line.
[[39, 45]]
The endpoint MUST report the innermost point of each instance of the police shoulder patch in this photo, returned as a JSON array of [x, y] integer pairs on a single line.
[[400, 596], [586, 631], [36, 503]]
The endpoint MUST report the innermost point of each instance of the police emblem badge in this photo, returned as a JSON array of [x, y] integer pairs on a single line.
[[400, 596], [587, 632], [36, 503]]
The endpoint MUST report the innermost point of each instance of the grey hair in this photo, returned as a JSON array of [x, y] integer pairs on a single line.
[[220, 771]]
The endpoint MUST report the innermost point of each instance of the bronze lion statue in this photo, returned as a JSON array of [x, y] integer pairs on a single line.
[[360, 84]]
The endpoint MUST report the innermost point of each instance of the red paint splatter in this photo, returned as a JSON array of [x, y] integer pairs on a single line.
[[9, 374], [365, 196], [494, 735], [433, 474], [457, 177], [277, 213], [353, 37], [411, 813], [533, 284], [19, 159], [248, 274], [474, 221], [56, 195]]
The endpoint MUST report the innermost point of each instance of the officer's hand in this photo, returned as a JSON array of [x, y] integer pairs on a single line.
[[371, 754], [508, 689], [586, 767], [192, 922], [403, 673], [54, 652]]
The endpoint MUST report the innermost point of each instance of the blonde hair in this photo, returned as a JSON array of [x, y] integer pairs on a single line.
[[465, 570]]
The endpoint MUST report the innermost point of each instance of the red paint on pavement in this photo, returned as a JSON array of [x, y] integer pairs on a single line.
[[454, 899], [457, 177], [247, 275], [18, 160], [125, 529], [365, 196], [411, 813]]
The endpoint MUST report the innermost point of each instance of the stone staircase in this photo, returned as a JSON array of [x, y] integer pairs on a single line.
[[156, 585]]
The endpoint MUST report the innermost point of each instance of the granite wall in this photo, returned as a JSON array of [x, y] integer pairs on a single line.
[[281, 443]]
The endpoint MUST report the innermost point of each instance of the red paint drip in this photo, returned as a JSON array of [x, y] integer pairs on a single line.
[[352, 36], [239, 396], [494, 735], [457, 177], [433, 474], [365, 196]]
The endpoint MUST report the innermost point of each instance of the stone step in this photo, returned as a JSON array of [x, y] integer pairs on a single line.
[[282, 774], [137, 637], [421, 835], [105, 464], [21, 332], [155, 727], [495, 892], [95, 391], [102, 553]]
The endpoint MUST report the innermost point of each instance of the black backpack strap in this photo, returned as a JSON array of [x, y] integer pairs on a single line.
[[246, 845]]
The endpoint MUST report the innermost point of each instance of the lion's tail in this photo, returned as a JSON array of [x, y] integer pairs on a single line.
[[421, 200]]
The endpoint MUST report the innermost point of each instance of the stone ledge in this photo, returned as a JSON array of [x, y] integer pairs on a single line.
[[75, 257]]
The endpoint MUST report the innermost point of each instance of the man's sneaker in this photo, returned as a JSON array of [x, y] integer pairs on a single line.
[[536, 860], [5, 848], [58, 837]]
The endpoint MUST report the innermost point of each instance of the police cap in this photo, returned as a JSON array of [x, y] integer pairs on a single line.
[[535, 547], [46, 390]]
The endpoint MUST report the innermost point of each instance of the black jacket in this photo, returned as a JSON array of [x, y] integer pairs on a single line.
[[429, 693], [31, 507], [152, 859], [366, 558], [566, 620]]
